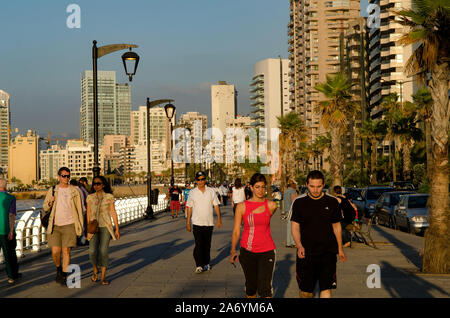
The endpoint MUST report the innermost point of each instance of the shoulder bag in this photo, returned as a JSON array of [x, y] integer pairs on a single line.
[[92, 226]]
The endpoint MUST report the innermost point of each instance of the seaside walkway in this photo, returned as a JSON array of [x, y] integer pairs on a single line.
[[154, 259]]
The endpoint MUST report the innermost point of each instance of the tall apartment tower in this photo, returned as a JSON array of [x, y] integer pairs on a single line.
[[114, 106], [223, 104], [270, 92], [4, 130], [387, 58], [315, 47], [122, 109]]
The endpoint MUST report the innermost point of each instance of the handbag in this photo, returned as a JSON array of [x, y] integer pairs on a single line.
[[92, 226], [45, 215]]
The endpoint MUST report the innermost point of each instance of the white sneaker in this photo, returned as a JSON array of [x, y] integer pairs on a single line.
[[198, 270]]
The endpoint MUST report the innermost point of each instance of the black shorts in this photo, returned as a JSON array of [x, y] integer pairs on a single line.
[[315, 268], [258, 271]]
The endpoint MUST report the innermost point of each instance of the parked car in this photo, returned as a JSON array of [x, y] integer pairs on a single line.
[[411, 213], [354, 193], [370, 194], [402, 185], [384, 207]]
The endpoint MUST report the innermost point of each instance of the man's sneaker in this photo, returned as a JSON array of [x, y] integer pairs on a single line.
[[199, 270], [206, 268], [11, 281]]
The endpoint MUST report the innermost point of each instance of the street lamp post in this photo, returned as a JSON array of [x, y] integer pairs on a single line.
[[150, 104], [98, 52], [170, 112]]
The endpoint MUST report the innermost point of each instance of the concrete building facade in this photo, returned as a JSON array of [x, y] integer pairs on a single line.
[[223, 104], [5, 119], [24, 158]]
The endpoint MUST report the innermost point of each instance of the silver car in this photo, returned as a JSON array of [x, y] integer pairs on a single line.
[[411, 213]]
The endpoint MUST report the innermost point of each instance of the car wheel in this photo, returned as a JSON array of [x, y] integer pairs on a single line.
[[396, 227], [375, 219], [410, 229]]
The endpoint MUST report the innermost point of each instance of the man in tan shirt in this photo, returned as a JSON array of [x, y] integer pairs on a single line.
[[65, 222]]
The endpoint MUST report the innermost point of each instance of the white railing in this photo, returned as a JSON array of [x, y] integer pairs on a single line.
[[31, 236]]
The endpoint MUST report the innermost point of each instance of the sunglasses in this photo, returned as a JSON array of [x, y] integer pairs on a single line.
[[202, 179], [65, 175], [97, 183]]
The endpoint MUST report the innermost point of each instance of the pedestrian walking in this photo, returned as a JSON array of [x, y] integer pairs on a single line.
[[201, 203], [288, 197], [348, 215], [316, 229], [257, 251], [7, 232], [186, 191], [237, 194], [174, 194], [100, 206], [65, 222], [224, 193], [247, 191]]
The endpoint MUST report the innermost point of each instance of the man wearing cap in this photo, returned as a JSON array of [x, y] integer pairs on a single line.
[[200, 205]]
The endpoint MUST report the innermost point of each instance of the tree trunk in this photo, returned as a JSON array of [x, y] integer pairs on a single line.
[[428, 148], [336, 157], [394, 166], [436, 246], [373, 161], [407, 160]]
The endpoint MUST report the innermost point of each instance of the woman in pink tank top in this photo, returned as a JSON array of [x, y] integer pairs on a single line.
[[257, 251]]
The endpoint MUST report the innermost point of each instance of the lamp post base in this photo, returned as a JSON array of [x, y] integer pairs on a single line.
[[149, 213]]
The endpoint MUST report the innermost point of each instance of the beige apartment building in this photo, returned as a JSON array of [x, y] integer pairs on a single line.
[[23, 158], [314, 51], [223, 104], [50, 160]]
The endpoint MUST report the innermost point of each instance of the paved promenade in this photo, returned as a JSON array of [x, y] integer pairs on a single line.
[[154, 259]]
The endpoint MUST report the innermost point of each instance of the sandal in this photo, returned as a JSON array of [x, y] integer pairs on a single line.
[[105, 283], [94, 278]]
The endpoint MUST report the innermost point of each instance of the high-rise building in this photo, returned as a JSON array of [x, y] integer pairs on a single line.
[[114, 106], [4, 130], [123, 109], [223, 104], [112, 146], [270, 92], [316, 47], [23, 159], [80, 158], [387, 58]]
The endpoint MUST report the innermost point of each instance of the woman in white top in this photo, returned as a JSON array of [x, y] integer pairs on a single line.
[[237, 194]]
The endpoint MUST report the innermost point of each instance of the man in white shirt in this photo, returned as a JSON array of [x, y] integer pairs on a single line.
[[200, 205], [224, 193]]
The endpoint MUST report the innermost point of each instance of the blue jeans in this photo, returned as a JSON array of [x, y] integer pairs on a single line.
[[99, 247]]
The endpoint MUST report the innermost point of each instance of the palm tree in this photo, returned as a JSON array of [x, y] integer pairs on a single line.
[[318, 147], [429, 23], [404, 127], [291, 136], [391, 106], [335, 113], [374, 132], [423, 102]]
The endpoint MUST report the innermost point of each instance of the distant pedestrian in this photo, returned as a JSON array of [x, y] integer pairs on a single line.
[[101, 208], [65, 222], [224, 193], [248, 191], [317, 233], [7, 232], [175, 195], [201, 203], [82, 239], [237, 194], [186, 192], [289, 195], [257, 251]]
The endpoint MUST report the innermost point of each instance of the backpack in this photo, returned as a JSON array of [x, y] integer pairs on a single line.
[[45, 216]]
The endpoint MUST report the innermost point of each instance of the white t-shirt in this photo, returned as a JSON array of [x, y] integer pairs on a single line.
[[202, 204], [63, 213], [238, 195], [223, 190]]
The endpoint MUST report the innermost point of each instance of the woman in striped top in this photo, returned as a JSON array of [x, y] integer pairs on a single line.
[[257, 252]]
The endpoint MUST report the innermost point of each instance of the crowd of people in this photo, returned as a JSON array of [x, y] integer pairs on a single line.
[[318, 227]]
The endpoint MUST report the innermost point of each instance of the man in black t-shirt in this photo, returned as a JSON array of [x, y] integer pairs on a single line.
[[316, 229]]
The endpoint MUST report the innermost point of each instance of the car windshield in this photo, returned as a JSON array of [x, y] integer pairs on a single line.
[[374, 194], [417, 202]]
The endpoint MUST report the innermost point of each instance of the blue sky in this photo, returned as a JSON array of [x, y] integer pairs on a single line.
[[184, 47]]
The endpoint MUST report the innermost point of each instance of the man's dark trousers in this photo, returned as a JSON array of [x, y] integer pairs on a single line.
[[202, 237], [9, 253]]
